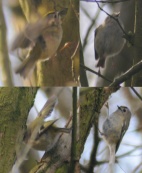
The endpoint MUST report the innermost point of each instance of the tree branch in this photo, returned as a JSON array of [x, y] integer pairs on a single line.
[[4, 58], [74, 132], [86, 68], [137, 94], [127, 75], [111, 2], [83, 76]]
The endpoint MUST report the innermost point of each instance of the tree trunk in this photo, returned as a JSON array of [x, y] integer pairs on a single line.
[[15, 104]]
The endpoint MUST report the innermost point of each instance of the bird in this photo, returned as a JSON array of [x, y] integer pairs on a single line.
[[45, 137], [108, 39], [42, 38], [114, 129]]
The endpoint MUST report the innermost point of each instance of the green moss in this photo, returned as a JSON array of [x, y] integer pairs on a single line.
[[63, 169], [15, 104]]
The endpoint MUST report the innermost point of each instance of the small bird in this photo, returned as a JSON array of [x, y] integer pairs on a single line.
[[108, 40], [45, 137], [43, 38], [114, 128]]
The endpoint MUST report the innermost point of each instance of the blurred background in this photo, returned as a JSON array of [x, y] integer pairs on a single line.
[[15, 21]]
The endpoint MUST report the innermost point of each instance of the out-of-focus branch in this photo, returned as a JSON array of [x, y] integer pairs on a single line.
[[90, 27], [86, 169], [74, 133], [4, 58], [137, 79], [26, 8], [83, 76], [137, 94], [137, 167], [129, 152]]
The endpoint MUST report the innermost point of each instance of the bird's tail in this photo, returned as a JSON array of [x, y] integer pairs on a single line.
[[101, 62], [29, 63], [26, 67], [112, 157]]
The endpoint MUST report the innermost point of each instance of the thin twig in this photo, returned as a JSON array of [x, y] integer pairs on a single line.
[[127, 75], [86, 68], [137, 94], [111, 2], [74, 75], [129, 152], [93, 22], [111, 17]]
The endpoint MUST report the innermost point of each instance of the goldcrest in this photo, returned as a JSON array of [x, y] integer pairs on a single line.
[[43, 37], [108, 40], [41, 134], [114, 128], [46, 137]]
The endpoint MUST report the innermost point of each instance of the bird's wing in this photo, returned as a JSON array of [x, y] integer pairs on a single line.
[[123, 131], [20, 41], [96, 54], [48, 107]]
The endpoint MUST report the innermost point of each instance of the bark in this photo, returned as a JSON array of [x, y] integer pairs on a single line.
[[137, 79], [15, 105]]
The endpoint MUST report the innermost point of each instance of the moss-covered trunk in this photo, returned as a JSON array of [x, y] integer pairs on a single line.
[[15, 104]]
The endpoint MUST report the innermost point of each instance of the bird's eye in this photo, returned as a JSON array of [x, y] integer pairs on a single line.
[[124, 110]]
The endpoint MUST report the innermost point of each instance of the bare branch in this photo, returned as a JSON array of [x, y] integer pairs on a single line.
[[129, 152], [90, 26], [4, 57], [83, 76], [111, 2], [86, 68], [128, 74], [137, 94], [110, 16], [74, 132]]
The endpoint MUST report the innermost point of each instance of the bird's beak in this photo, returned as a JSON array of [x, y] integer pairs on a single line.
[[119, 107]]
